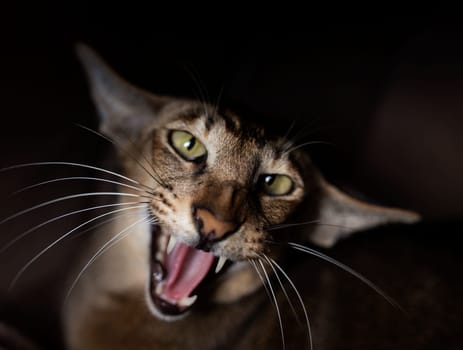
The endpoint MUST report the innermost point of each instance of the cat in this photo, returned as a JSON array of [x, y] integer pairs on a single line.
[[194, 254]]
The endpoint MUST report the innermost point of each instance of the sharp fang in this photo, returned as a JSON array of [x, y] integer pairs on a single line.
[[163, 239], [171, 245], [188, 301], [220, 264]]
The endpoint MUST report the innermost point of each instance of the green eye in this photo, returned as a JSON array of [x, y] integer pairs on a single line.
[[276, 185], [187, 146]]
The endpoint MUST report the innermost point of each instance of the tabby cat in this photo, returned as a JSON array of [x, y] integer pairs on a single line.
[[196, 233]]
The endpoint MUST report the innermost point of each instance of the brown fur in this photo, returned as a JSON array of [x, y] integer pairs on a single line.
[[109, 308]]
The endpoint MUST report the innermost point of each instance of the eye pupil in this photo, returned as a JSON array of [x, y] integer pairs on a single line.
[[190, 144], [269, 179]]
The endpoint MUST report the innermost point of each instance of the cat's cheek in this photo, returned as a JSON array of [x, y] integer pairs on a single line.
[[277, 211], [239, 281]]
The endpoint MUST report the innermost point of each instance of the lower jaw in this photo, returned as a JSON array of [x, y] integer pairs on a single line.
[[164, 311], [168, 308]]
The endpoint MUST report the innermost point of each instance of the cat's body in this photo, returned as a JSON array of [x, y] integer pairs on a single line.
[[219, 186]]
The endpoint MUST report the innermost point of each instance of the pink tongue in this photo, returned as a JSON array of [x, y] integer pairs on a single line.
[[186, 268]]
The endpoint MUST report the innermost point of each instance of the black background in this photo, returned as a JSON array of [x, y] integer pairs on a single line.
[[385, 85], [386, 92]]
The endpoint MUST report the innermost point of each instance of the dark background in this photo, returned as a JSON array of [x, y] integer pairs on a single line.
[[387, 94]]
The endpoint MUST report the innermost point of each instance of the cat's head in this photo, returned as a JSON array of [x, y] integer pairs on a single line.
[[215, 186]]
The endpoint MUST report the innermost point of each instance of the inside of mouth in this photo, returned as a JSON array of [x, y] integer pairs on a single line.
[[176, 275]]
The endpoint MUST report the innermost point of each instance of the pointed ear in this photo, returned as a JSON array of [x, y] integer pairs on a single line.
[[341, 215], [124, 109]]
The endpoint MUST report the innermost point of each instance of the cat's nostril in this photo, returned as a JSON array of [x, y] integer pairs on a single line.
[[211, 227]]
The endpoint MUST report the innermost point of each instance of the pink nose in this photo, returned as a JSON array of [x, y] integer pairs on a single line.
[[211, 227]]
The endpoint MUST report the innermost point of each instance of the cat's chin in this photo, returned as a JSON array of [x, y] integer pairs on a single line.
[[161, 315]]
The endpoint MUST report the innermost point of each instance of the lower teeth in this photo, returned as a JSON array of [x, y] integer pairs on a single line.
[[188, 301]]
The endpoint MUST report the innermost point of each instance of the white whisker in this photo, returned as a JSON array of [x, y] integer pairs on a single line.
[[301, 134], [24, 234], [290, 142], [293, 309], [103, 222], [309, 332], [85, 166], [254, 264], [116, 239], [57, 200], [307, 144], [43, 251], [281, 226], [203, 94], [78, 178], [277, 308], [291, 126], [313, 222], [133, 156], [347, 269]]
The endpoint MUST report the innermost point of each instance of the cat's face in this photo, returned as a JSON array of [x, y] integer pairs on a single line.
[[214, 185], [217, 184]]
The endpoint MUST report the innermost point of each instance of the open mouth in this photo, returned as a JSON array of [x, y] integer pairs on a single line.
[[177, 271]]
